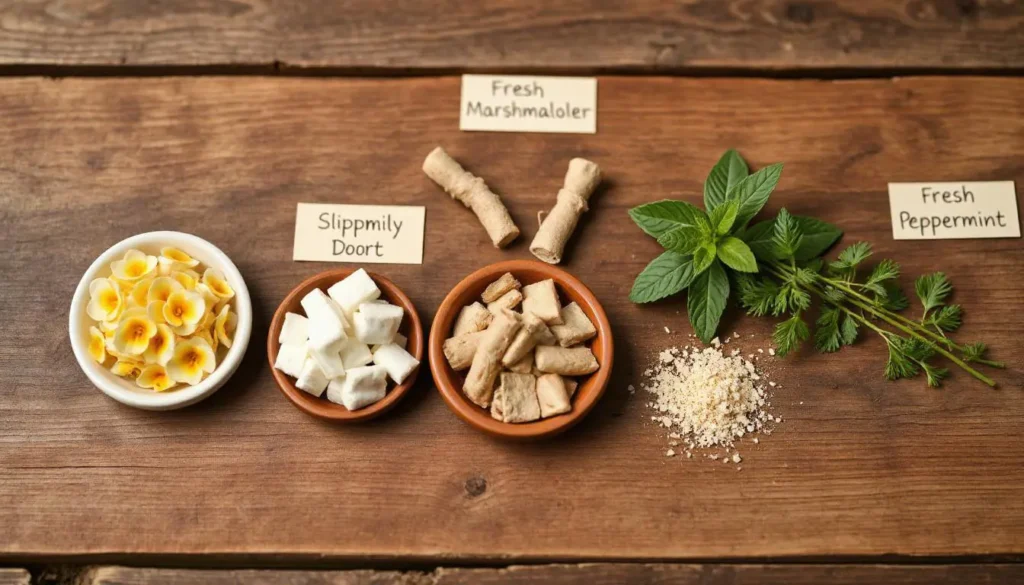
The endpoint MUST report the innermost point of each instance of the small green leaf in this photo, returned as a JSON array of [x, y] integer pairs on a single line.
[[885, 270], [851, 257], [947, 318], [723, 217], [757, 295], [848, 329], [789, 334], [727, 172], [818, 237], [932, 289], [662, 216], [894, 299], [759, 238], [683, 239], [827, 336], [787, 237], [935, 375], [666, 275], [736, 255], [752, 192], [703, 256], [974, 351], [705, 301]]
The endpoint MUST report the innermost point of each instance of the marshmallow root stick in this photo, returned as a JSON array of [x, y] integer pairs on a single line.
[[479, 385], [580, 181], [474, 194]]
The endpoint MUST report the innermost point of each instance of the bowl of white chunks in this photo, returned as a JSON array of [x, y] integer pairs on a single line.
[[345, 345]]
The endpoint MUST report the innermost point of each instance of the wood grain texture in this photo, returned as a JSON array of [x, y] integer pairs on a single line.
[[859, 466], [14, 577], [687, 35], [587, 574]]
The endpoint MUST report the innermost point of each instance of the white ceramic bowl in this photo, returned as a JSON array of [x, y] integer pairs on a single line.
[[126, 391]]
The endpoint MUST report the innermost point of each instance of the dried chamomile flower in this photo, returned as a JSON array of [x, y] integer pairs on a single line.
[[225, 325], [187, 279], [184, 310], [162, 288], [97, 345], [218, 284], [105, 300], [127, 368], [191, 360], [155, 377], [140, 292], [134, 332], [161, 346], [174, 258], [133, 266]]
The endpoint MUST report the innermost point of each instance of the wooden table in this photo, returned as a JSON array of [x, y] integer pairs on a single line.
[[217, 118]]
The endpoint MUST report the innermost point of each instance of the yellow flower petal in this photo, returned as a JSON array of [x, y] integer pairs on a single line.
[[208, 336], [105, 300], [140, 292], [192, 358], [161, 346], [134, 332], [155, 377], [97, 345], [185, 279], [155, 310], [177, 256], [127, 368], [225, 325], [217, 284], [134, 266], [162, 288], [184, 307]]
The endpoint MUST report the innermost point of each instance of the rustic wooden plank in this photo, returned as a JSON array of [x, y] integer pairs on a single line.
[[514, 34], [10, 576], [859, 467], [586, 574]]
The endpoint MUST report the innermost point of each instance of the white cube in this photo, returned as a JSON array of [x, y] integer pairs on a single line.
[[290, 359], [295, 330], [359, 388], [311, 379], [329, 358], [399, 340], [398, 362], [327, 323], [354, 290], [355, 353], [376, 323]]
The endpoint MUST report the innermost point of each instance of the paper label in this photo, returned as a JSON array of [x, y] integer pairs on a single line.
[[529, 103], [374, 234], [948, 211]]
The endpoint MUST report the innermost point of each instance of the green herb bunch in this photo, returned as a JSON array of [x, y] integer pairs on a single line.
[[776, 267]]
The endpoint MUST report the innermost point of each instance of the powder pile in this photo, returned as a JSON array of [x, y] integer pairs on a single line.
[[708, 399]]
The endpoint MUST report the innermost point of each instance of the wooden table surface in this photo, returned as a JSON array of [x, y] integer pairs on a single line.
[[125, 117]]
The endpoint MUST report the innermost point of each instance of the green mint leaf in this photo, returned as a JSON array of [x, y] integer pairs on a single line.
[[705, 301], [932, 289], [726, 174], [885, 270], [947, 318], [662, 216], [736, 255], [683, 239], [848, 329], [789, 334], [827, 336], [787, 237], [752, 192], [723, 217], [703, 256], [759, 238], [818, 237], [666, 275]]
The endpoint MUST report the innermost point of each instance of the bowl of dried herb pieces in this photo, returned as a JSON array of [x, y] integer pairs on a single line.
[[521, 350]]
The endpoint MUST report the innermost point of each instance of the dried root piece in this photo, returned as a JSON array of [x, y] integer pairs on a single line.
[[567, 361], [524, 365], [575, 328], [552, 396], [500, 287], [541, 299], [474, 194], [580, 181], [472, 318], [570, 386], [459, 351], [533, 333], [479, 385], [509, 300], [515, 400]]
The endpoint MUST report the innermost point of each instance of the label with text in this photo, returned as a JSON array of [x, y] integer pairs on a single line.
[[948, 211], [529, 103], [381, 234]]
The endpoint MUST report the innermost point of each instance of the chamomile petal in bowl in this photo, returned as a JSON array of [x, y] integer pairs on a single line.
[[160, 320]]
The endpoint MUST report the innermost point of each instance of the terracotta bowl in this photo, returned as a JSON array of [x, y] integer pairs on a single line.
[[449, 382], [321, 407]]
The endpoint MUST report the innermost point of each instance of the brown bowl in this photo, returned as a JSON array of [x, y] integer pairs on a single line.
[[321, 407], [449, 382]]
